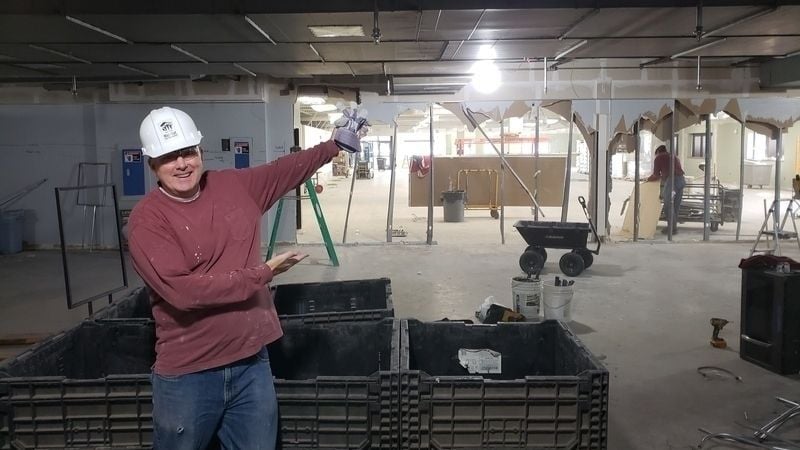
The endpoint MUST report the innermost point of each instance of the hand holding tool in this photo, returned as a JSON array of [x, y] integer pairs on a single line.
[[350, 128]]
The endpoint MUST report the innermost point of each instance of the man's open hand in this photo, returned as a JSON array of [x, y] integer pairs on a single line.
[[282, 262]]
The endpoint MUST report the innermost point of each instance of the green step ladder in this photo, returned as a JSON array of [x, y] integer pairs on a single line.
[[323, 227]]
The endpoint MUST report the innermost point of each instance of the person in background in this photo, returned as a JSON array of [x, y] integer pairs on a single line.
[[196, 243], [661, 171]]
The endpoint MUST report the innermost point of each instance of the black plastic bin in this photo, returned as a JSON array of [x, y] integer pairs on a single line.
[[334, 301], [90, 387], [548, 391]]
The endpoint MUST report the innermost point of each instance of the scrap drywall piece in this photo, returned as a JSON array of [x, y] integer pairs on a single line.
[[483, 111], [625, 113], [777, 112], [649, 211], [586, 112]]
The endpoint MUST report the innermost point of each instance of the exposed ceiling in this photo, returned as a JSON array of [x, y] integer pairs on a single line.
[[424, 47]]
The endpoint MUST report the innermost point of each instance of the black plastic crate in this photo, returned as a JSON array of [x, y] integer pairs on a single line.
[[90, 387], [770, 312], [547, 392], [87, 387], [334, 301], [554, 234], [135, 305]]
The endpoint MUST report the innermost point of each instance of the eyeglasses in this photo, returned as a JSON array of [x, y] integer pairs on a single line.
[[188, 154]]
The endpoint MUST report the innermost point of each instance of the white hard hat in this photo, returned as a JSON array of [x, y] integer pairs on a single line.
[[167, 129]]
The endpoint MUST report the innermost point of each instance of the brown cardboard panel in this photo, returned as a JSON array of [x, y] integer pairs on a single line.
[[649, 211], [482, 186]]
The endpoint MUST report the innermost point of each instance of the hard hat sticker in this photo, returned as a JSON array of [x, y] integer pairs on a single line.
[[167, 130]]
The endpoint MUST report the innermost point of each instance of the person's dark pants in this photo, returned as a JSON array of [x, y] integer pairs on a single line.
[[673, 202], [234, 404]]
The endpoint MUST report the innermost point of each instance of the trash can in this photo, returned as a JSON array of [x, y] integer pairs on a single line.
[[453, 203], [11, 226], [381, 163]]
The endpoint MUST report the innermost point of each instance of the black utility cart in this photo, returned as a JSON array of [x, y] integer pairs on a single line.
[[569, 235]]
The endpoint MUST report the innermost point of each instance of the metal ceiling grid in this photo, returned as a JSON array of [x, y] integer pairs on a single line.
[[521, 49], [261, 52], [753, 46], [665, 22], [394, 25], [428, 68], [175, 28], [386, 51], [526, 23], [113, 53], [28, 29], [302, 69], [634, 48]]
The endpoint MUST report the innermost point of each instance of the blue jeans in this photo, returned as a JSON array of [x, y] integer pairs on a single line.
[[680, 183], [234, 405]]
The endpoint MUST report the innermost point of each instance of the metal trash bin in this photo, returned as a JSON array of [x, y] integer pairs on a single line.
[[11, 227], [453, 203]]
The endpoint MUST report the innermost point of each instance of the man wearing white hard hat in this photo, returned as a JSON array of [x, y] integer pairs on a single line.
[[195, 241]]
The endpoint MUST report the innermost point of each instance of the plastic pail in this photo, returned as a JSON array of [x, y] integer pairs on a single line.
[[526, 295], [557, 302]]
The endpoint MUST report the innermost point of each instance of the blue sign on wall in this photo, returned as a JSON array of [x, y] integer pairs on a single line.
[[132, 172], [241, 150]]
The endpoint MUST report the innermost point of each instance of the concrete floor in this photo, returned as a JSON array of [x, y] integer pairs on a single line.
[[643, 309]]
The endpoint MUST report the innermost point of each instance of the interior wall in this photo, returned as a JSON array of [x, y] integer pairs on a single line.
[[48, 141], [727, 151]]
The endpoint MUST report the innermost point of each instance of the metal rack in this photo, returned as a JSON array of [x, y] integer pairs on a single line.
[[492, 189]]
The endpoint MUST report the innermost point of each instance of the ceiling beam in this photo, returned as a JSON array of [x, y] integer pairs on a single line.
[[320, 6]]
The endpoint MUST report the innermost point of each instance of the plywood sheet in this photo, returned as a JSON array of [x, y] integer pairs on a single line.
[[649, 211], [481, 188]]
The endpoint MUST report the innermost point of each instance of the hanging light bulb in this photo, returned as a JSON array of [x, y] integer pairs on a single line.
[[486, 76]]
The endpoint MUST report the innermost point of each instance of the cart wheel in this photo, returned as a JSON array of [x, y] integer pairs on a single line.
[[586, 255], [714, 226], [540, 250], [531, 262], [494, 214], [571, 264]]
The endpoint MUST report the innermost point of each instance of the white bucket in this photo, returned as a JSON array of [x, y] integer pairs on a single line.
[[526, 295], [557, 302]]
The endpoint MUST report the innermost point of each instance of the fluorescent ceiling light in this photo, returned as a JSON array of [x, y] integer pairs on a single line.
[[310, 100], [323, 108], [36, 66], [98, 29], [134, 69], [259, 29], [187, 53], [56, 52], [333, 31]]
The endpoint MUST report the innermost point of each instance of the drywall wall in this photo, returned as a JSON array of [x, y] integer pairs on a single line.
[[48, 141]]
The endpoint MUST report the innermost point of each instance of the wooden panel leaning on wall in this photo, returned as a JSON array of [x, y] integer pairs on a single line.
[[481, 189]]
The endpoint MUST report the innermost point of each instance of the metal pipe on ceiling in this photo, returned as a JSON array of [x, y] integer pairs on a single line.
[[259, 29], [311, 46], [97, 29], [245, 70], [58, 53], [577, 23], [698, 48], [134, 69], [740, 21], [571, 49], [188, 53]]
